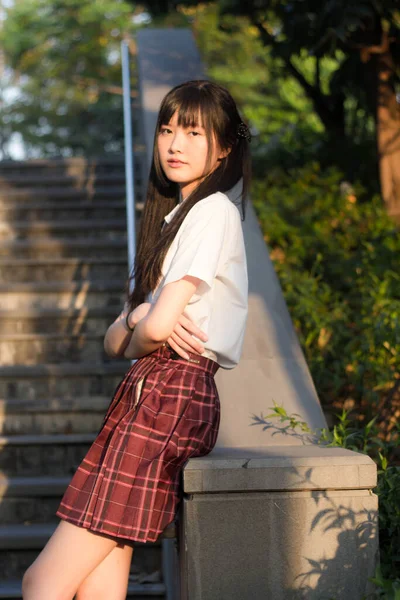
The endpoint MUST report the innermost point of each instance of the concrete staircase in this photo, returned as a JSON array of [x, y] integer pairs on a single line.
[[63, 269]]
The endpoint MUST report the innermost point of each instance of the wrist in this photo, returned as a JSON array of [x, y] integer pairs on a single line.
[[129, 321]]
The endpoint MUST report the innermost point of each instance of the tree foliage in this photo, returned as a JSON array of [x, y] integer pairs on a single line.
[[64, 56], [301, 35], [336, 253], [286, 128]]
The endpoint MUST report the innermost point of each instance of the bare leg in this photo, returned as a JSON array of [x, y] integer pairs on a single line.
[[69, 556], [109, 580]]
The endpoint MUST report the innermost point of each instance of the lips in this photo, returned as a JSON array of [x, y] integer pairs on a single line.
[[174, 162]]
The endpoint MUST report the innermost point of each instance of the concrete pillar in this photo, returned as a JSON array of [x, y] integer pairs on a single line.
[[267, 514], [283, 523]]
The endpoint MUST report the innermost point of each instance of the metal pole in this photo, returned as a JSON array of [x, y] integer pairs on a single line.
[[129, 164]]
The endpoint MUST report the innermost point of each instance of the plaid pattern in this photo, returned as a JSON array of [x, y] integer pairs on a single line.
[[164, 411]]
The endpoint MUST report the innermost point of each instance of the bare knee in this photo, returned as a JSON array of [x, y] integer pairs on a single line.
[[36, 586], [109, 581], [29, 583], [118, 591]]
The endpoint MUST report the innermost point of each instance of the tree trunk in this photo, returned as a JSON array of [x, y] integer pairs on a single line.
[[388, 133]]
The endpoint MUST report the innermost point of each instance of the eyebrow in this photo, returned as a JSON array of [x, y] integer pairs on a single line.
[[195, 125]]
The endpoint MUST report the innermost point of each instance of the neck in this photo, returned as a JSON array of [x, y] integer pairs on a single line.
[[181, 199]]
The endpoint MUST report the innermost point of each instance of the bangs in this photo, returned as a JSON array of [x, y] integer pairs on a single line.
[[193, 106]]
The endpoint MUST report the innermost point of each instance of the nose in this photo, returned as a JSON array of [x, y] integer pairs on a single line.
[[176, 143]]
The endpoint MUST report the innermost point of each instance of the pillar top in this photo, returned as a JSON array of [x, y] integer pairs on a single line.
[[279, 468]]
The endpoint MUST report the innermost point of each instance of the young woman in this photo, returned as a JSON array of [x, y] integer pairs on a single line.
[[183, 320]]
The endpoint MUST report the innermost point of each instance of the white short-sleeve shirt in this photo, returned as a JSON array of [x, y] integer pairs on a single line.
[[209, 245]]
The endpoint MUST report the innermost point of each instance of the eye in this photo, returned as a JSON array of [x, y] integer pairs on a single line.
[[195, 133], [165, 130]]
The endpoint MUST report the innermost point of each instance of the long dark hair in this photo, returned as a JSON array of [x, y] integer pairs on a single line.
[[220, 116]]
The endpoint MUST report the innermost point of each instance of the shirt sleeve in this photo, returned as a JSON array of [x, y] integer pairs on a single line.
[[201, 243]]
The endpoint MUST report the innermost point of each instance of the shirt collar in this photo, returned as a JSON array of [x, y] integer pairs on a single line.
[[169, 216]]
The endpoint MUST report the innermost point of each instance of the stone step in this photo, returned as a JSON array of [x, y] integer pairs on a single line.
[[75, 166], [39, 489], [52, 164], [106, 229], [77, 247], [78, 180], [59, 194], [60, 294], [33, 537], [67, 380], [62, 269], [30, 500], [42, 211], [83, 414], [58, 454], [53, 320], [11, 590], [20, 544], [36, 348]]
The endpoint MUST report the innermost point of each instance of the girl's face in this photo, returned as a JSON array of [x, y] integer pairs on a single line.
[[183, 154]]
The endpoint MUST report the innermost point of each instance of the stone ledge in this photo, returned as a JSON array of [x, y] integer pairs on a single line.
[[12, 589], [26, 405], [53, 225], [59, 192], [82, 369], [32, 537], [67, 205], [73, 180], [60, 260], [56, 162], [47, 439], [279, 468], [17, 487]]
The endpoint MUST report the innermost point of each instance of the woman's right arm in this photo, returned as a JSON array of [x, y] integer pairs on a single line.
[[118, 335]]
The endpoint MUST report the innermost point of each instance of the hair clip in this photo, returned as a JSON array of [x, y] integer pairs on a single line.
[[243, 131]]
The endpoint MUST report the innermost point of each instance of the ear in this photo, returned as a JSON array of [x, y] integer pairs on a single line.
[[224, 153]]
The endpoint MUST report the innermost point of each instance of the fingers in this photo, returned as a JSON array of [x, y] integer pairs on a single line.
[[186, 340], [181, 343], [177, 348], [191, 346], [182, 339], [192, 328]]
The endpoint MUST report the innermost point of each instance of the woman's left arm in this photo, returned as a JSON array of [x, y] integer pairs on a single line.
[[206, 230], [153, 330]]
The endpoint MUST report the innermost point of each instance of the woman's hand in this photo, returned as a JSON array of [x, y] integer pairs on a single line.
[[182, 340], [139, 313], [118, 337]]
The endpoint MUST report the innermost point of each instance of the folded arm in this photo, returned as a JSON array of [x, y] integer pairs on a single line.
[[205, 233], [154, 330]]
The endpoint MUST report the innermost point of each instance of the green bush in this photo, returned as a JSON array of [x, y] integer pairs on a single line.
[[336, 253]]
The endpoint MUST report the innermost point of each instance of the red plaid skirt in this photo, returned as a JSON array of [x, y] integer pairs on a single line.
[[165, 411]]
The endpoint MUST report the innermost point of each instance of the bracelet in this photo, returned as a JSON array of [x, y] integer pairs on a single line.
[[127, 322]]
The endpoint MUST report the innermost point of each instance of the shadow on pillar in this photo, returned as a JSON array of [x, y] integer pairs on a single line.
[[308, 545]]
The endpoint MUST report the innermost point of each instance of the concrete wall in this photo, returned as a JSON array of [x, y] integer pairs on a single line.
[[281, 523]]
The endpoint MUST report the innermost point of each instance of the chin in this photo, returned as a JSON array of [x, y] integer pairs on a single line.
[[175, 177]]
